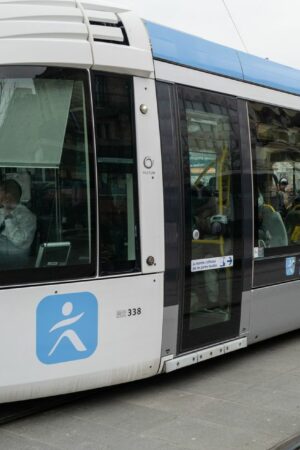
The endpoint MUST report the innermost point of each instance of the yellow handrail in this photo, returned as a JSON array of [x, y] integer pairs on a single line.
[[206, 241], [219, 185]]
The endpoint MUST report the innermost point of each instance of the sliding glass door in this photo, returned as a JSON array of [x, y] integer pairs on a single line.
[[212, 208]]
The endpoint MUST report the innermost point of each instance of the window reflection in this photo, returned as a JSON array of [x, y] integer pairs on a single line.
[[119, 244], [275, 137], [45, 155], [210, 167]]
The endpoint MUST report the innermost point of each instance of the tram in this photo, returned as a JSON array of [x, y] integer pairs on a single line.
[[150, 198]]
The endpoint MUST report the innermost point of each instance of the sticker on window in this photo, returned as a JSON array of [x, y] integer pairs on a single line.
[[290, 266], [220, 262]]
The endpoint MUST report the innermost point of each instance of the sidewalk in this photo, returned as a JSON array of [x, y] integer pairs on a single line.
[[249, 399]]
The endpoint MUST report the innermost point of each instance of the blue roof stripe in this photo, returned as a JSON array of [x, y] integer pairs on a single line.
[[267, 73], [187, 50]]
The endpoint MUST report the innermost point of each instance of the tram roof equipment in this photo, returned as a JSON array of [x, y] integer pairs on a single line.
[[73, 33]]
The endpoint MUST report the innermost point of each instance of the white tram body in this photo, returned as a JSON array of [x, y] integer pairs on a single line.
[[77, 315]]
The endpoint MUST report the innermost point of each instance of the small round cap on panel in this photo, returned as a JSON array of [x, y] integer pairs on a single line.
[[144, 109], [150, 260]]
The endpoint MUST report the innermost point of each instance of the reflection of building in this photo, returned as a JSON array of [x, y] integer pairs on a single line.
[[47, 154], [208, 138], [277, 142]]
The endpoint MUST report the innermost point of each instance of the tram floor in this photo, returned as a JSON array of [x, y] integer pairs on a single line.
[[246, 400], [207, 317]]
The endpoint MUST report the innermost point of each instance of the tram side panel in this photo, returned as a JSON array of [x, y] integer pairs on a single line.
[[52, 342], [269, 300], [76, 336]]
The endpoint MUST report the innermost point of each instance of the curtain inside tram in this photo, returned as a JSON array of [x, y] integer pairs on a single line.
[[30, 111]]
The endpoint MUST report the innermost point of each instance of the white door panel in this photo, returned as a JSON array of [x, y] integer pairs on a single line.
[[149, 175]]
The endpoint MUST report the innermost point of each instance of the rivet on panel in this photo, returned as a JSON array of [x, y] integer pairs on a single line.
[[150, 260], [144, 109]]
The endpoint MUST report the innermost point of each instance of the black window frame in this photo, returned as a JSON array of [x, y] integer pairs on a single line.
[[192, 339], [122, 267], [69, 272], [269, 269]]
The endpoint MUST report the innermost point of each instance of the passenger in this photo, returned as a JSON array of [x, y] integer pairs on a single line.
[[17, 226], [292, 222], [283, 196], [273, 192], [271, 232]]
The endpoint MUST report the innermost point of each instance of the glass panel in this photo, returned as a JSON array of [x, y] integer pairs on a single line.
[[45, 214], [212, 214], [211, 166], [275, 137], [119, 249]]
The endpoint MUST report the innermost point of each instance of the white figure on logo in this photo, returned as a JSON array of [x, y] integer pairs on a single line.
[[70, 334]]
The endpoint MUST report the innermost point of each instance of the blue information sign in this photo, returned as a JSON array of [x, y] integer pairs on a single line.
[[66, 327]]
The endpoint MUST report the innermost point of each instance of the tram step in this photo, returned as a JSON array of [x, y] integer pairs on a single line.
[[206, 353]]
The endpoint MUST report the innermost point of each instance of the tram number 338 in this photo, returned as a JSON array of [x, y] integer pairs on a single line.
[[134, 312]]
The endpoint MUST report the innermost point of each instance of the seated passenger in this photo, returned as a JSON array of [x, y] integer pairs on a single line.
[[292, 222], [17, 226], [271, 229]]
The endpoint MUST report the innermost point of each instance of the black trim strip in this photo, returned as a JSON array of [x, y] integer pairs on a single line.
[[173, 211], [246, 195]]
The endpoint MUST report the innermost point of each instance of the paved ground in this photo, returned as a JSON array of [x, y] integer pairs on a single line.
[[247, 400]]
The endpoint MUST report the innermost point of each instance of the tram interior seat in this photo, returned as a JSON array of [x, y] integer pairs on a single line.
[[272, 230], [292, 222]]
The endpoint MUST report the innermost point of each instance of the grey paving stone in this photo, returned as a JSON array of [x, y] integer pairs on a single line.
[[122, 415], [211, 385], [289, 381], [10, 441], [274, 422], [67, 432], [175, 401], [270, 399], [203, 435], [289, 360], [248, 374]]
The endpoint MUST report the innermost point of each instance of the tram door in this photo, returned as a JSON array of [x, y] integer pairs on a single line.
[[211, 177]]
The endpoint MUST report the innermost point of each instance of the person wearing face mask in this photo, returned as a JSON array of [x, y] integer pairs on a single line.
[[17, 226], [283, 196]]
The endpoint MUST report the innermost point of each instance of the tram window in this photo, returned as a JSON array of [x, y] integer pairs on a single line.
[[45, 181], [117, 177], [275, 140]]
